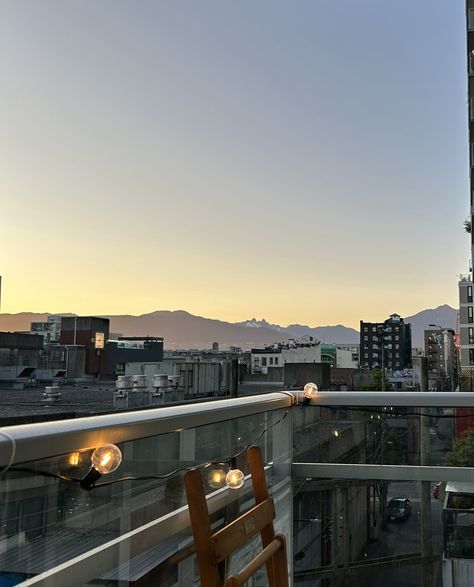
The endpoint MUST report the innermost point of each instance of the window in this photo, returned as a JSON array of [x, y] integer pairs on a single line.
[[471, 356], [271, 360], [366, 355], [469, 315], [366, 337], [397, 346], [397, 337], [264, 361], [397, 364], [366, 329], [397, 355], [471, 335], [470, 19], [469, 293], [276, 360]]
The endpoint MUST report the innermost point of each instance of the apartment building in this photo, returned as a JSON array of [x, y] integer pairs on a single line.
[[385, 345]]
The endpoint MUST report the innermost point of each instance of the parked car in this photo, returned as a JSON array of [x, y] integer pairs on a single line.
[[436, 489], [399, 509]]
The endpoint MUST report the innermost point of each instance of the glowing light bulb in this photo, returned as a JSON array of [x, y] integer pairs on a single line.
[[310, 391], [235, 479], [335, 433], [74, 459], [216, 478], [106, 459]]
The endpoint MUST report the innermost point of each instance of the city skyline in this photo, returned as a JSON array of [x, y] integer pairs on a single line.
[[303, 164]]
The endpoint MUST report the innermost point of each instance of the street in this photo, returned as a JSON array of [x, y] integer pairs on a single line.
[[402, 538]]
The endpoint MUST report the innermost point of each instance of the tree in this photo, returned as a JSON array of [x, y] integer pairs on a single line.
[[462, 454], [376, 384]]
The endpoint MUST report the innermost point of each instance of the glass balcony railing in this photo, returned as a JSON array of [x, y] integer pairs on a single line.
[[373, 487]]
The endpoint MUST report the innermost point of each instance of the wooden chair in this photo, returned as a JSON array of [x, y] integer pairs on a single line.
[[213, 548]]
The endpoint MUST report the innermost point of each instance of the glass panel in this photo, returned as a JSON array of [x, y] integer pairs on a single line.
[[370, 531], [47, 521], [379, 435]]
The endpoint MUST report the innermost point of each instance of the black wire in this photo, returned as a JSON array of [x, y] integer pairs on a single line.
[[44, 473], [226, 462], [206, 465], [395, 413]]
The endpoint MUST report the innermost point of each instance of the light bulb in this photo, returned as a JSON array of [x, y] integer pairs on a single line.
[[235, 479], [106, 459], [310, 391], [335, 433], [74, 459], [216, 478]]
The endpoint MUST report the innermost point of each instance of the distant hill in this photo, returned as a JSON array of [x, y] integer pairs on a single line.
[[20, 321], [444, 316], [181, 329], [330, 334]]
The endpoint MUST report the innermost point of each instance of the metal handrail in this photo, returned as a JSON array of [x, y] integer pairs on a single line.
[[30, 442], [408, 399], [49, 439]]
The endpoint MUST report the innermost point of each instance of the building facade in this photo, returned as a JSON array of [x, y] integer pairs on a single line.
[[92, 333], [50, 330], [440, 351], [385, 345], [466, 305], [303, 350]]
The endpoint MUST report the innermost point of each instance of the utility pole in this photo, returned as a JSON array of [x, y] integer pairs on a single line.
[[426, 528], [381, 333]]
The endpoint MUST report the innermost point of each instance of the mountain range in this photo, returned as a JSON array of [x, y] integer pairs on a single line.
[[181, 329]]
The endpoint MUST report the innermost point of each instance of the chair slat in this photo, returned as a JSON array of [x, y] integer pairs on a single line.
[[238, 532], [262, 557], [201, 525]]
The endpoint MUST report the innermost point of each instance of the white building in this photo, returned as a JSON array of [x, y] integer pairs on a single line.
[[50, 330], [345, 358], [303, 350]]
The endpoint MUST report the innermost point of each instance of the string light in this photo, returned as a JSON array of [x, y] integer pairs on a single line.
[[74, 459], [216, 478], [108, 457], [234, 478], [105, 459], [310, 391]]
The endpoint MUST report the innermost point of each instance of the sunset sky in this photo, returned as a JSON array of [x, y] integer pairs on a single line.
[[299, 161]]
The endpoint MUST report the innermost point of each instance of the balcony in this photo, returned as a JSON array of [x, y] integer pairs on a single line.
[[333, 468]]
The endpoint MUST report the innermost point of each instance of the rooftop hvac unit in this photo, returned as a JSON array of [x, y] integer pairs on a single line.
[[160, 382], [139, 382], [175, 381], [123, 383], [51, 394]]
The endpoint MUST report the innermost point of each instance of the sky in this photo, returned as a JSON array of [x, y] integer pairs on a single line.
[[305, 162]]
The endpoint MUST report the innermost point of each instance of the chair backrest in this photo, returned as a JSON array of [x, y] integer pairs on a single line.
[[212, 549]]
